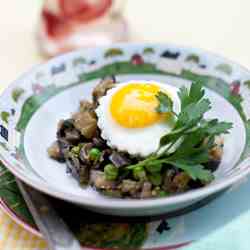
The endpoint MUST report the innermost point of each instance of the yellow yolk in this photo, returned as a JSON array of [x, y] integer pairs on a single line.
[[133, 106]]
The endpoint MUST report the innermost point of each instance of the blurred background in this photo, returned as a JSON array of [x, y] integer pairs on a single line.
[[219, 26]]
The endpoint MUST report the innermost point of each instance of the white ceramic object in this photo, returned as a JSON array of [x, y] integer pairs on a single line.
[[31, 107]]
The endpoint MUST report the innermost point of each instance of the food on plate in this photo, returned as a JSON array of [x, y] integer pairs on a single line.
[[141, 139]]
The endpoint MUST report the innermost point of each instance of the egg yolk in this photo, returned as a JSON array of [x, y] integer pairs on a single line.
[[133, 106]]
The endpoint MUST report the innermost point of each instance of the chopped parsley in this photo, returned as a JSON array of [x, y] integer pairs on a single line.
[[193, 134]]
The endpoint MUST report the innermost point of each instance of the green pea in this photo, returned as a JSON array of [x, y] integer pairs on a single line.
[[111, 172], [162, 193], [94, 154], [139, 173]]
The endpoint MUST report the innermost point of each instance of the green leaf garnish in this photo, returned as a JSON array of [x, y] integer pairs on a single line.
[[196, 172], [156, 179], [193, 113], [193, 96], [154, 167], [187, 146], [165, 103]]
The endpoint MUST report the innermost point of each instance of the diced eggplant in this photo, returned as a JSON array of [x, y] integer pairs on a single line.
[[72, 136], [99, 142], [64, 146], [119, 159], [73, 165], [64, 125], [67, 131], [212, 165], [77, 169]]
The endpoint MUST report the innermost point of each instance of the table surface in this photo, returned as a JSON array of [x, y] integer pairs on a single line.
[[219, 26]]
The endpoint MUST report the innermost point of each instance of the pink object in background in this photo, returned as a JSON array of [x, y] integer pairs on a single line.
[[70, 24]]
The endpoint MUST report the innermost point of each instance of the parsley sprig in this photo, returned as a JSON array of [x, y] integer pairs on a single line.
[[187, 146]]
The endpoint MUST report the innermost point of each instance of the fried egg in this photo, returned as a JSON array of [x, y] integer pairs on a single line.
[[128, 119]]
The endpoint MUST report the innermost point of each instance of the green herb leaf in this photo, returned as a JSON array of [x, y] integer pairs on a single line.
[[165, 103], [194, 95], [187, 147], [183, 94], [196, 172], [187, 120], [156, 179], [199, 157], [154, 167], [162, 193], [217, 128], [172, 136], [139, 173], [193, 113], [196, 92]]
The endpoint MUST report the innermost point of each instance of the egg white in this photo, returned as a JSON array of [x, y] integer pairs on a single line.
[[136, 141]]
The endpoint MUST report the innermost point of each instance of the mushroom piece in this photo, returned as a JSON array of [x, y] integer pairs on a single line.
[[67, 131], [129, 186], [146, 190], [85, 123], [180, 181], [62, 126], [84, 174], [87, 106], [167, 180], [102, 88], [217, 151], [215, 154]]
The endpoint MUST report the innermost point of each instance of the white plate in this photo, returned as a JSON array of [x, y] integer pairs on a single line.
[[32, 105]]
